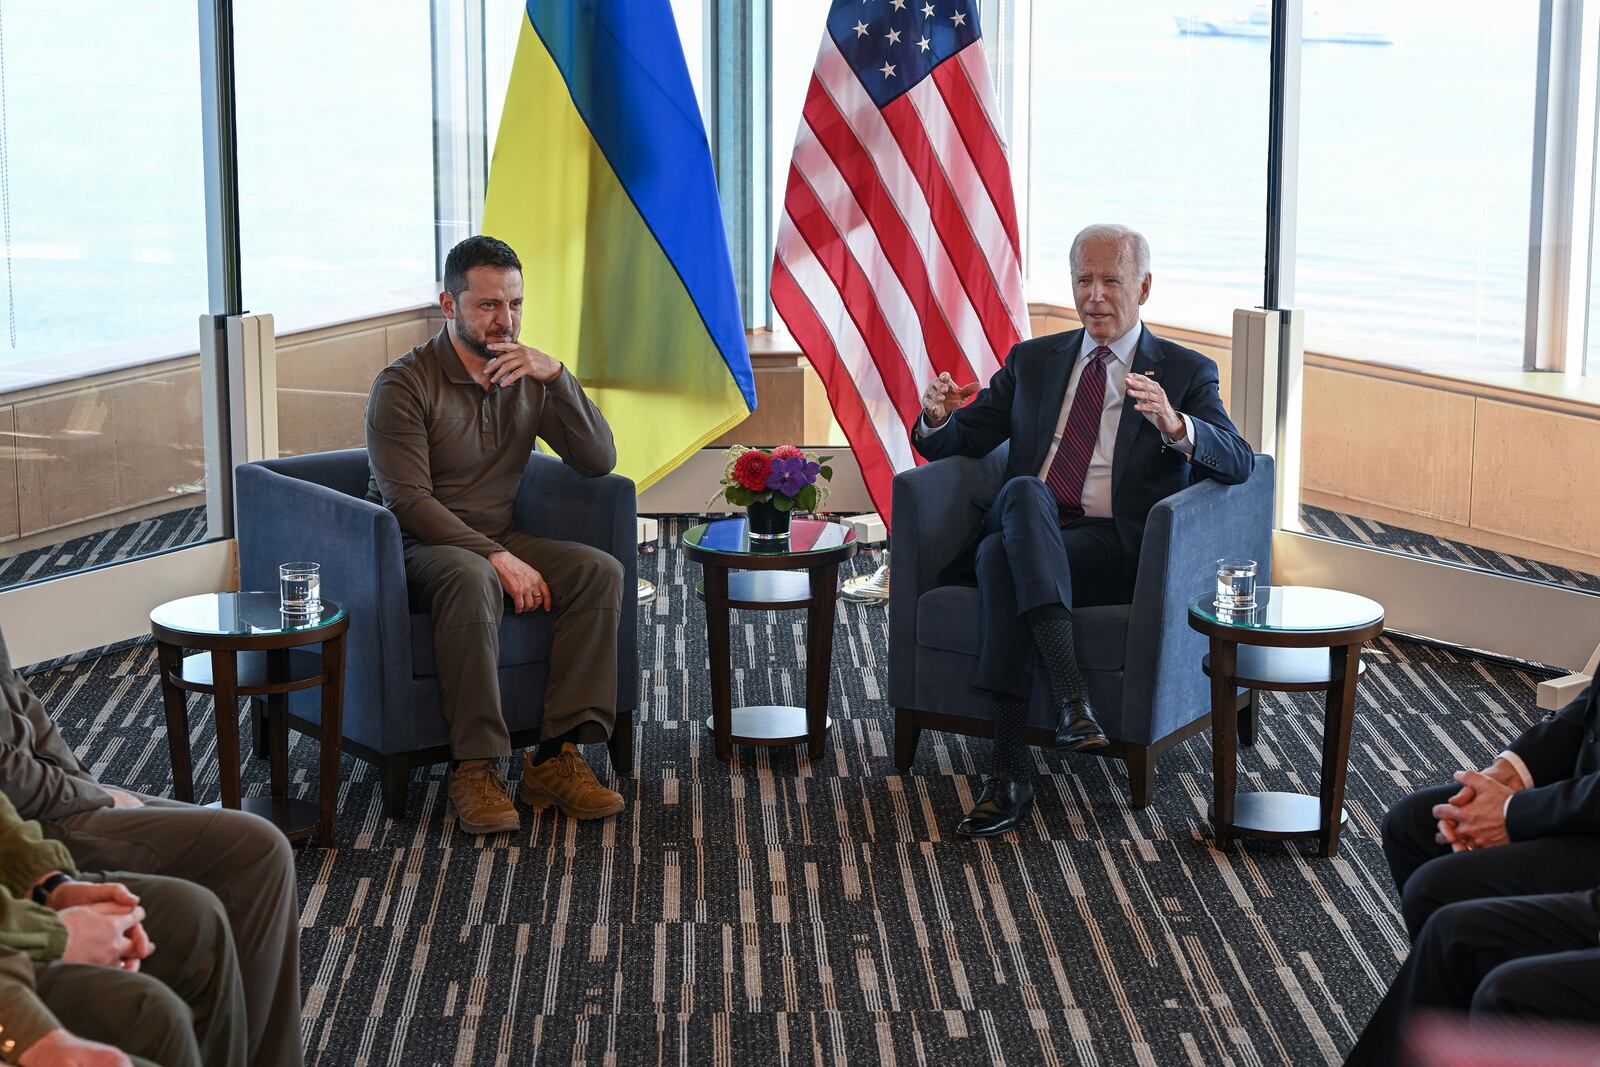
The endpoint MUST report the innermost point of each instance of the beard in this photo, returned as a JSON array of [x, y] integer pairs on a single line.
[[478, 343]]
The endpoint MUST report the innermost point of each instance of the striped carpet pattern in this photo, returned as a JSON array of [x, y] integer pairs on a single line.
[[156, 534], [781, 911]]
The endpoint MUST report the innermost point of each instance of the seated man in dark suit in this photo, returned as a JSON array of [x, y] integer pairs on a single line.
[[1103, 422], [1497, 878]]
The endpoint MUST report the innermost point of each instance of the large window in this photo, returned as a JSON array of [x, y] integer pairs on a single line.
[[1139, 123], [336, 173], [105, 280], [1416, 162]]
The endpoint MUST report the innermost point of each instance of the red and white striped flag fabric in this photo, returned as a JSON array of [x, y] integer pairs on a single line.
[[897, 255]]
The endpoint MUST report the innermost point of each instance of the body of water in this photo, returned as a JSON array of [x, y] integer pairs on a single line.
[[1414, 180]]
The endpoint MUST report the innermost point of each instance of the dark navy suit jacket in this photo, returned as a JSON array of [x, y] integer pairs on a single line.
[[1023, 404], [1563, 756]]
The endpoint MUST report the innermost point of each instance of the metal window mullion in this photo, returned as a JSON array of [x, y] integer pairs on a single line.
[[739, 85], [1280, 398], [1553, 207], [224, 285]]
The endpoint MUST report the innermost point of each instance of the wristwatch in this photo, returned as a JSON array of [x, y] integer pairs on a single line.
[[41, 891]]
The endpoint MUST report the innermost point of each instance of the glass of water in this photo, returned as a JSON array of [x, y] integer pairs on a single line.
[[1236, 584], [300, 588]]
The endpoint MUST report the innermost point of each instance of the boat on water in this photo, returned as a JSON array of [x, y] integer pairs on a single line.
[[1258, 26]]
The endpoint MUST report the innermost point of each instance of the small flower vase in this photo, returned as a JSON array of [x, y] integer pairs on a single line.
[[766, 522]]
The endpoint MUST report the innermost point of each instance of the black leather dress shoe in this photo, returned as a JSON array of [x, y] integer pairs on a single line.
[[1002, 804], [1079, 729]]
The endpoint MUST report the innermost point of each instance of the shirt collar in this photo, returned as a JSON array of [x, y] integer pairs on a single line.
[[445, 352], [1121, 349]]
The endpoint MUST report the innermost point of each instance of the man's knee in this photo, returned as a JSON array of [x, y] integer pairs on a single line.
[[1516, 987], [1425, 896], [1025, 491], [159, 1026], [270, 859], [597, 579]]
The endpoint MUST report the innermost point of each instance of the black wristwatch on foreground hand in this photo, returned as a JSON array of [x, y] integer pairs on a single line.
[[41, 892]]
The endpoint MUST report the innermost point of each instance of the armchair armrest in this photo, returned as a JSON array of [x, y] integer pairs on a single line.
[[283, 518], [556, 501], [934, 519], [1184, 537]]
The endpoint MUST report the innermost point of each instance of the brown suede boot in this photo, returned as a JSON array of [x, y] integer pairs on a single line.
[[569, 784], [480, 800]]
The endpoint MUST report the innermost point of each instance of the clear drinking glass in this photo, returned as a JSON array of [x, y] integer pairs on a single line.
[[1236, 584], [300, 588]]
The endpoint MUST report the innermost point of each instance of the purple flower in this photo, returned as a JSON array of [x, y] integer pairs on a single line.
[[789, 476]]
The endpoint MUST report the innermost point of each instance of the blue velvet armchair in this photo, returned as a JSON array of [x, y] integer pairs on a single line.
[[1141, 661], [314, 507]]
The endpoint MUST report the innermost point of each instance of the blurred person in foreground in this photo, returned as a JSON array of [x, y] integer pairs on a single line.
[[1498, 877]]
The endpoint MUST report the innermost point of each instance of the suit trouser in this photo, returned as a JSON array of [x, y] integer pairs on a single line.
[[185, 1005], [1429, 876], [242, 859], [462, 591], [1026, 560], [1527, 956]]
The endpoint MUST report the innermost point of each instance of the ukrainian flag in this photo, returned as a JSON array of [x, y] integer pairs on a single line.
[[602, 182]]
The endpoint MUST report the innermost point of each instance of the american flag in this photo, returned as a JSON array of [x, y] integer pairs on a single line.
[[897, 255]]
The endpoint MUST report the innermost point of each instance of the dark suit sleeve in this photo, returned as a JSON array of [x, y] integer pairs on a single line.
[[1219, 451], [1550, 747], [978, 428]]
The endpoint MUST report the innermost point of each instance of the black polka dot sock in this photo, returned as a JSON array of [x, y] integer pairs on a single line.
[[1011, 739]]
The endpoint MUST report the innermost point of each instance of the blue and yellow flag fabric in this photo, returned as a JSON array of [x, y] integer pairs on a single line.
[[602, 182]]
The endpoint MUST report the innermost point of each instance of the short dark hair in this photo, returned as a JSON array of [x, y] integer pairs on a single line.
[[479, 251]]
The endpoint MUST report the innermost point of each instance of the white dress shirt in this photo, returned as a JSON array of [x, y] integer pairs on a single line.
[[1097, 480]]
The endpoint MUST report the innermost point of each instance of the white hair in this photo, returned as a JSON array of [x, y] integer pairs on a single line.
[[1131, 241]]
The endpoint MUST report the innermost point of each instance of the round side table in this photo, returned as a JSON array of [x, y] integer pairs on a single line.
[[739, 572], [246, 640], [1296, 639]]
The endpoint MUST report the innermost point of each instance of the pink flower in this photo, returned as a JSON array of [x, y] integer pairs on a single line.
[[787, 452]]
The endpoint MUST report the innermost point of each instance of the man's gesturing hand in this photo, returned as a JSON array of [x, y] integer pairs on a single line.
[[512, 361], [61, 1049], [522, 583], [1150, 400], [943, 396], [104, 935]]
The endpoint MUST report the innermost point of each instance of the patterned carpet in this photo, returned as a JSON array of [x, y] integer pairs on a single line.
[[779, 911]]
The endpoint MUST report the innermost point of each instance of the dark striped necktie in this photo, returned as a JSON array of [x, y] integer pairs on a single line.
[[1071, 465]]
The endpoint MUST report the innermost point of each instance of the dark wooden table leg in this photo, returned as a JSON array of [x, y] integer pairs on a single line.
[[332, 734], [720, 658], [1338, 719], [276, 726], [819, 655], [1247, 718], [1224, 729], [176, 702], [225, 685]]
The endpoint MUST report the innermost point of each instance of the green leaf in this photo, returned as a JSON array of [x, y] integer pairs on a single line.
[[826, 472], [781, 502], [824, 459], [807, 500], [739, 496]]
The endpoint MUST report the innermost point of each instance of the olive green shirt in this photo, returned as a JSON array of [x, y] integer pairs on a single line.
[[39, 772], [29, 932], [447, 456]]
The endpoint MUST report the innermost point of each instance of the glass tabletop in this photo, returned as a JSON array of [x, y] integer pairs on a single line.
[[239, 614], [806, 536], [1293, 607]]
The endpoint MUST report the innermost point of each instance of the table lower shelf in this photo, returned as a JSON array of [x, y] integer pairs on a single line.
[[768, 724], [1277, 815], [296, 818]]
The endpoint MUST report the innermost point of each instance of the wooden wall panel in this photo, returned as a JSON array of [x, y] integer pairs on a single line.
[[1533, 476], [1399, 446], [322, 390]]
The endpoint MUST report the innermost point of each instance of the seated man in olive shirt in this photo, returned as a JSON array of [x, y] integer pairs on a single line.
[[450, 425]]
